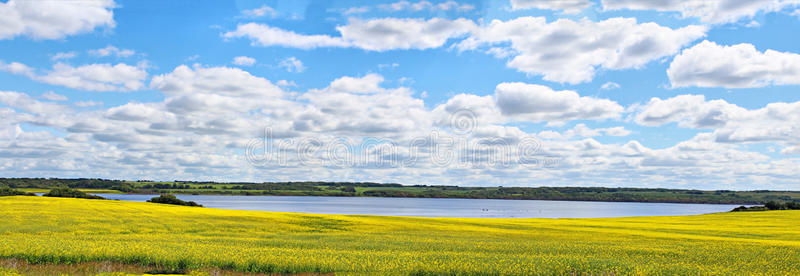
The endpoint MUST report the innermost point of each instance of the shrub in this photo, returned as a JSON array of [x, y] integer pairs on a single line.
[[745, 208], [67, 192], [772, 205], [6, 191], [171, 199]]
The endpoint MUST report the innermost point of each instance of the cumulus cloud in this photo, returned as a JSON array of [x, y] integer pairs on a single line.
[[538, 103], [374, 35], [211, 113], [360, 105], [24, 102], [688, 111], [426, 6], [292, 65], [50, 95], [738, 66], [259, 12], [396, 33], [53, 19], [356, 10], [731, 123], [570, 51], [92, 77], [111, 51], [215, 90], [264, 35], [568, 6], [715, 12], [610, 86], [63, 56], [244, 61]]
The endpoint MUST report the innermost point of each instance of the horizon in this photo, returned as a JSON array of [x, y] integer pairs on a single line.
[[389, 183], [517, 93]]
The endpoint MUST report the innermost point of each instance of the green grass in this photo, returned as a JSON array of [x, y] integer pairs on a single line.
[[88, 191]]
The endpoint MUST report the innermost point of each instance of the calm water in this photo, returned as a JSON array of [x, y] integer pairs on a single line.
[[439, 207]]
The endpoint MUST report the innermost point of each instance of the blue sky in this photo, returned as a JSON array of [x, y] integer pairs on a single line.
[[614, 93]]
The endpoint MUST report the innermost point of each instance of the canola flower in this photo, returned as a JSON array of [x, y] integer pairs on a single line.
[[67, 230]]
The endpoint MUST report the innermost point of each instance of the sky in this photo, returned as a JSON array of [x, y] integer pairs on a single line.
[[613, 93]]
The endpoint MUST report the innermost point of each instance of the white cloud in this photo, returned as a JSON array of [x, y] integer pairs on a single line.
[[53, 19], [538, 103], [568, 6], [17, 69], [285, 83], [714, 11], [63, 55], [111, 50], [87, 103], [259, 12], [426, 6], [388, 65], [292, 64], [688, 110], [92, 77], [50, 95], [731, 123], [522, 102], [356, 10], [24, 102], [796, 13], [374, 35], [396, 33], [570, 51], [264, 35], [211, 113], [215, 90], [360, 106], [244, 61], [581, 130], [610, 86], [738, 66]]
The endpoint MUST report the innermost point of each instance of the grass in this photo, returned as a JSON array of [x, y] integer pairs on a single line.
[[69, 231], [88, 191]]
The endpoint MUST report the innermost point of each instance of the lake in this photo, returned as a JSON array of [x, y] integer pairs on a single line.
[[442, 207]]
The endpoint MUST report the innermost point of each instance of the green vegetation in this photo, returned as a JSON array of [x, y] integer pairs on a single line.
[[77, 183], [6, 191], [419, 191], [67, 192], [166, 238], [171, 199], [772, 205]]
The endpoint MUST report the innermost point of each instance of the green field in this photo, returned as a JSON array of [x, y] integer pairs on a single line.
[[68, 231]]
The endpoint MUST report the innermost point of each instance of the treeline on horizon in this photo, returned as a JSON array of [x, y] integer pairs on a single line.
[[371, 189]]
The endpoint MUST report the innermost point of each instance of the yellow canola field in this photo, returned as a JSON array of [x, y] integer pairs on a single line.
[[65, 230]]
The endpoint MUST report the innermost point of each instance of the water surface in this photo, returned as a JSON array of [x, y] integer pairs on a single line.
[[442, 207]]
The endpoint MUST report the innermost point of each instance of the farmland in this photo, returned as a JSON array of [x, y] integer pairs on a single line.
[[69, 231]]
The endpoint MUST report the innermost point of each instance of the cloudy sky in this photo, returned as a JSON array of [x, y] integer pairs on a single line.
[[699, 94]]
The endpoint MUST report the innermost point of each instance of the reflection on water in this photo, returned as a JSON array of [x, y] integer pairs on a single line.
[[440, 207]]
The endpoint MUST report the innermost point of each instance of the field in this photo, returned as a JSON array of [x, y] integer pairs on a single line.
[[69, 231]]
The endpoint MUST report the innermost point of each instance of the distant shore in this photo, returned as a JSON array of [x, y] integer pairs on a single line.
[[368, 189]]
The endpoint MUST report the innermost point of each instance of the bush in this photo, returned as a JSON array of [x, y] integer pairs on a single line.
[[772, 205], [745, 208], [171, 199], [67, 192], [6, 191]]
